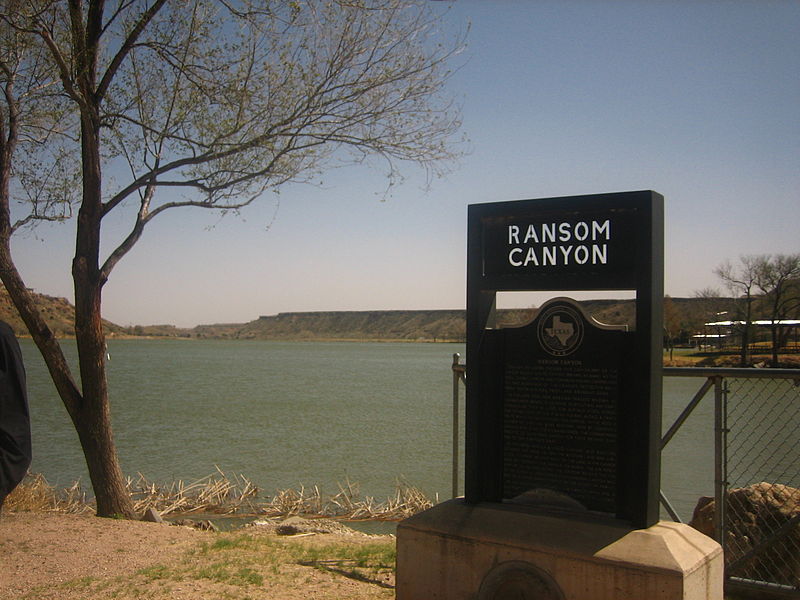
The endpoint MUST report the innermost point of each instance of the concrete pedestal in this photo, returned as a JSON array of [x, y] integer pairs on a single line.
[[489, 552]]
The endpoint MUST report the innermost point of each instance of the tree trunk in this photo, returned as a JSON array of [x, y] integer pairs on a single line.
[[775, 328], [92, 417], [744, 359], [776, 345], [93, 424], [745, 355]]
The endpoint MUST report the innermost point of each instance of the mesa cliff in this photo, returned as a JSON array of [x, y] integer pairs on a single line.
[[370, 325]]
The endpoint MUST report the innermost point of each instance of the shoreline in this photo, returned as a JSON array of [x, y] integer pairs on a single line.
[[704, 359]]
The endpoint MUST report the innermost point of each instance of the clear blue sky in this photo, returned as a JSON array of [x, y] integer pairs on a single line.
[[697, 100]]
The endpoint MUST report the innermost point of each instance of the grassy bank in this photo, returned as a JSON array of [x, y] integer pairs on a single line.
[[244, 565], [96, 559], [693, 358]]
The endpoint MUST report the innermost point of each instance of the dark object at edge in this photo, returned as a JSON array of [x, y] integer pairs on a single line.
[[15, 422]]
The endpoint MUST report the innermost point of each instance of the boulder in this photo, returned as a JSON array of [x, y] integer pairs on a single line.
[[755, 514], [152, 515]]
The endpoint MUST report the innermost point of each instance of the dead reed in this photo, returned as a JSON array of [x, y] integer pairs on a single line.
[[224, 494], [217, 493], [347, 503], [35, 494]]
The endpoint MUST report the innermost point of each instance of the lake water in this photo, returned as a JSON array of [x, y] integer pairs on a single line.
[[287, 414], [282, 413]]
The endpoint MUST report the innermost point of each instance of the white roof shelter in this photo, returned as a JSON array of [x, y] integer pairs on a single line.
[[758, 323]]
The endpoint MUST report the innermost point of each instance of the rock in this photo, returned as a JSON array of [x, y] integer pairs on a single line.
[[703, 516], [754, 514], [298, 525], [151, 515], [292, 526], [204, 525]]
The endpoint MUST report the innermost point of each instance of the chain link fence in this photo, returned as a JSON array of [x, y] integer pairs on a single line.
[[761, 519], [756, 474]]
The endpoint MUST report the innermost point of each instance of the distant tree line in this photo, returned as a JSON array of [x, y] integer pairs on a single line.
[[764, 287], [685, 317]]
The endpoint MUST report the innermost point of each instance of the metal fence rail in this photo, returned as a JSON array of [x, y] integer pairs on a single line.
[[755, 514]]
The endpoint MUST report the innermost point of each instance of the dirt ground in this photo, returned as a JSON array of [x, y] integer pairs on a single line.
[[71, 557]]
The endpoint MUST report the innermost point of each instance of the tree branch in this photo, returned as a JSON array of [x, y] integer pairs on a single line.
[[63, 68], [129, 43], [142, 218]]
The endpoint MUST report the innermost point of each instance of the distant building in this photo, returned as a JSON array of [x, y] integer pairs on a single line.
[[721, 334]]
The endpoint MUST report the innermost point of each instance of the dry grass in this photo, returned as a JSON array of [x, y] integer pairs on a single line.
[[348, 504], [220, 493], [35, 494], [216, 493]]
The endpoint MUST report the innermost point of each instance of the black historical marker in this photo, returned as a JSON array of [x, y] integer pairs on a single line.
[[566, 407]]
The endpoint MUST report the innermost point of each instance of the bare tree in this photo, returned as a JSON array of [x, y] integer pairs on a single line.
[[193, 103], [741, 281], [778, 278], [708, 304]]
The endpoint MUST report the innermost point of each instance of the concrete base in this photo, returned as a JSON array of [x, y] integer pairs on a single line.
[[488, 552]]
